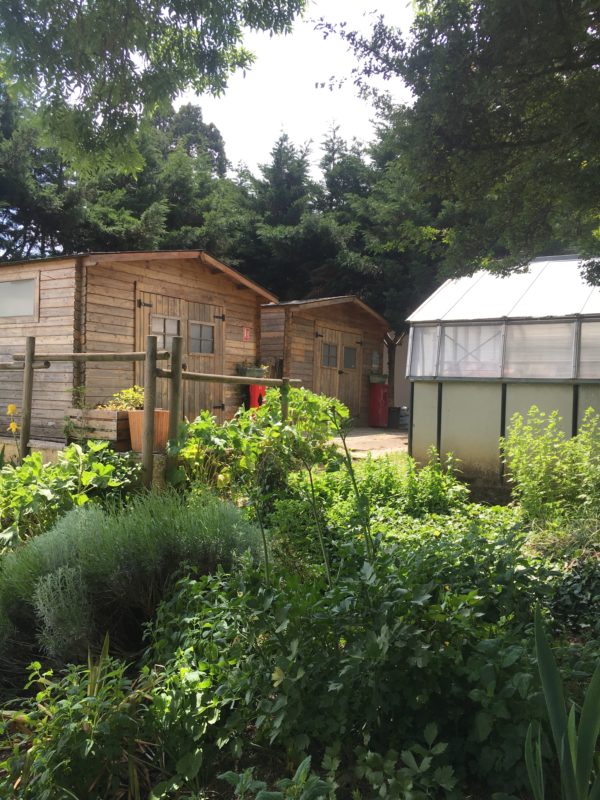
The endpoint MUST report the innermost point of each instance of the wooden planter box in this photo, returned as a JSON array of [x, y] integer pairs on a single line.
[[100, 423], [161, 429]]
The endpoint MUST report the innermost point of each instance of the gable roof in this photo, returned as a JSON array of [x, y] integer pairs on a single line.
[[551, 287], [317, 302], [89, 259]]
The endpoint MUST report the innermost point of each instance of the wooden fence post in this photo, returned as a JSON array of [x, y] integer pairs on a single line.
[[27, 397], [285, 398], [149, 407], [175, 393]]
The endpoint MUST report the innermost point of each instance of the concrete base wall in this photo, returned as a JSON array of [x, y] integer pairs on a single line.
[[470, 418]]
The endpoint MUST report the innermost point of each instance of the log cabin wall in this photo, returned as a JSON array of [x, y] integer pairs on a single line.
[[296, 333], [130, 296], [57, 292]]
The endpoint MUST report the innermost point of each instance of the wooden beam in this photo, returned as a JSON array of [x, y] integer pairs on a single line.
[[162, 355], [149, 406], [27, 397], [243, 380]]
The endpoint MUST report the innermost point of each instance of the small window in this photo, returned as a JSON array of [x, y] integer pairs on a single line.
[[350, 357], [329, 355], [164, 328], [202, 338], [375, 360], [17, 298]]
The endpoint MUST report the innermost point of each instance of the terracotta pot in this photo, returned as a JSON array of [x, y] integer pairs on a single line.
[[161, 429]]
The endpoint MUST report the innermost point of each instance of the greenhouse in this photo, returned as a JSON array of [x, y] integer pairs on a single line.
[[486, 346]]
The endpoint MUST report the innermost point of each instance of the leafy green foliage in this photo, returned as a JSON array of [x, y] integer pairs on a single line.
[[81, 732], [95, 81], [419, 634], [575, 744], [127, 399], [553, 475], [512, 166], [100, 570], [34, 495]]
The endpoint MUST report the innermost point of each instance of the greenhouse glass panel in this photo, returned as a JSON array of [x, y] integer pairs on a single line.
[[589, 350], [471, 351], [423, 354], [539, 350]]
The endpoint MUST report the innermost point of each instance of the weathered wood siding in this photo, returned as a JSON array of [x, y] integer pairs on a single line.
[[272, 329], [289, 333], [112, 289], [58, 304]]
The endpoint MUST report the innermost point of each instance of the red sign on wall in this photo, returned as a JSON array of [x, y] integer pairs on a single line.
[[246, 335]]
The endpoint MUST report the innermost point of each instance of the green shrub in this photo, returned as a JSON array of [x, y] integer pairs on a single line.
[[81, 736], [100, 570], [553, 475], [33, 495], [256, 450], [434, 631]]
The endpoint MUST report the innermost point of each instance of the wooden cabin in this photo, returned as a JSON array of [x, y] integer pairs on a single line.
[[332, 345], [110, 302]]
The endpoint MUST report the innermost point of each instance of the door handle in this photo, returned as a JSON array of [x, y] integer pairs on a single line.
[[341, 372]]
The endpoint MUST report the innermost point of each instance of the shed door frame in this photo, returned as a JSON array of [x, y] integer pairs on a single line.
[[332, 379], [195, 396]]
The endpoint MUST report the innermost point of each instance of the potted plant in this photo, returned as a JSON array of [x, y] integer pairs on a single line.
[[377, 377], [132, 401], [252, 370]]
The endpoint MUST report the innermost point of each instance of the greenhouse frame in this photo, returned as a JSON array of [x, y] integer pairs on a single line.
[[486, 346]]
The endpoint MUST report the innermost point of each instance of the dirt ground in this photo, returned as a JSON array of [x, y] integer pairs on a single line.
[[376, 441]]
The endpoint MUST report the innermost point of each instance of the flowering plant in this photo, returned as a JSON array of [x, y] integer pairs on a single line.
[[11, 411]]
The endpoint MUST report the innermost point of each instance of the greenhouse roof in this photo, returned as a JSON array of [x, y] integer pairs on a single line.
[[549, 287]]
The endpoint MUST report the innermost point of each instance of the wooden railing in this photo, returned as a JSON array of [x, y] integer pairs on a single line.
[[176, 374]]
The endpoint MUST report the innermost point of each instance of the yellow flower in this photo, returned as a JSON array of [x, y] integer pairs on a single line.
[[13, 427], [11, 410]]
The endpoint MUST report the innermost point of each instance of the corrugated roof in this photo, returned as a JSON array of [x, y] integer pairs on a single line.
[[551, 287]]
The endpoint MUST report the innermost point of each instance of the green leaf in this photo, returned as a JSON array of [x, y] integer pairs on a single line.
[[189, 764], [483, 725], [301, 773], [533, 762], [431, 732], [589, 729]]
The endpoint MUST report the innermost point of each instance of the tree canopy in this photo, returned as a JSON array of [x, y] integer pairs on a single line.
[[95, 69], [505, 125]]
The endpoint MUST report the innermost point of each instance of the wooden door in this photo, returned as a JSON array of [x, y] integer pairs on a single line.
[[201, 325], [162, 317], [203, 349], [350, 371], [338, 365], [327, 361]]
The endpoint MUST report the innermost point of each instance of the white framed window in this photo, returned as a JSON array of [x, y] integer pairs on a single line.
[[539, 350], [423, 356], [471, 351], [19, 299]]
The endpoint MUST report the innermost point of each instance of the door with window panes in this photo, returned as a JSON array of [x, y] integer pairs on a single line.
[[350, 371], [162, 317], [201, 325], [203, 352], [338, 360]]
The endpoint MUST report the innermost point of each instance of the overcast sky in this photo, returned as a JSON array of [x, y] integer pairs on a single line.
[[280, 94]]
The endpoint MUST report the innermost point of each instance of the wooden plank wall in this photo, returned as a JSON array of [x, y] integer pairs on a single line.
[[52, 388], [272, 330], [302, 324], [110, 315]]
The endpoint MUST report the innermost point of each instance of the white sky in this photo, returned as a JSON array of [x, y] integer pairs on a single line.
[[279, 93]]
